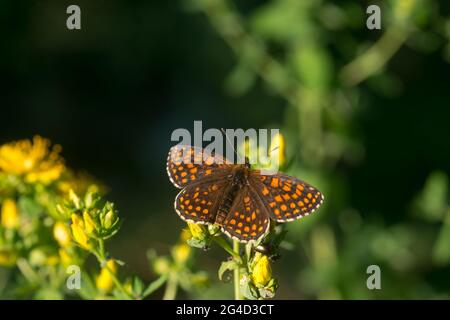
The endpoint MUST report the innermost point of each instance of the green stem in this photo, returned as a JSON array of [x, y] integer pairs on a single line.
[[237, 293], [103, 263], [226, 246], [171, 287]]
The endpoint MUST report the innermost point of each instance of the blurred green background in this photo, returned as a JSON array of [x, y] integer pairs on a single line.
[[365, 114]]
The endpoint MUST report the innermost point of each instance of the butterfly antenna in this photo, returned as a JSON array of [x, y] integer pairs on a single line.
[[230, 142]]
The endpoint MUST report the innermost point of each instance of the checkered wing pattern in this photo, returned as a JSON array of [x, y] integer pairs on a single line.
[[188, 164], [248, 219], [199, 202], [287, 198]]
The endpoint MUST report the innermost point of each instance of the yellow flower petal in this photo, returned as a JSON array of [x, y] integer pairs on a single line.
[[104, 280], [10, 214], [61, 233]]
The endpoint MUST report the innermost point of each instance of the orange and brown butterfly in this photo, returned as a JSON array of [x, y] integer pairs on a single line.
[[241, 200]]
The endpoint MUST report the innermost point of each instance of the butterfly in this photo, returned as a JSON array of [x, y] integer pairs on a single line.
[[242, 201]]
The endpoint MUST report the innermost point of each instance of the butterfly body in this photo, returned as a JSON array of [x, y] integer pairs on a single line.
[[240, 200]]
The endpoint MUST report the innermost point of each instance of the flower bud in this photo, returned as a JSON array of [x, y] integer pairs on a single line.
[[198, 231], [61, 233], [109, 219], [104, 281], [89, 223], [79, 233], [262, 272], [181, 252], [277, 149], [10, 214]]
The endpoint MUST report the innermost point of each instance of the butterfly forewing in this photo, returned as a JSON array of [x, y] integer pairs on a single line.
[[247, 219], [286, 197], [188, 164], [199, 202]]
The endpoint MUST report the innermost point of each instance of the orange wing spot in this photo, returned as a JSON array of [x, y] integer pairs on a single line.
[[174, 171], [253, 216], [184, 180], [214, 187], [310, 206], [193, 170], [248, 219], [253, 226], [253, 234], [286, 188], [246, 199], [242, 217], [283, 207], [286, 197], [205, 211], [260, 229], [247, 209], [309, 195], [181, 199], [274, 183], [189, 166], [247, 229], [190, 207], [193, 214], [300, 204], [193, 177], [314, 200], [236, 214], [180, 168], [278, 199], [203, 202], [240, 224], [300, 187], [287, 214], [306, 200], [245, 235], [238, 231], [294, 196], [195, 195], [182, 206], [296, 211], [233, 221], [208, 172], [265, 191], [277, 212], [184, 174], [187, 202], [198, 209], [298, 192], [292, 205]]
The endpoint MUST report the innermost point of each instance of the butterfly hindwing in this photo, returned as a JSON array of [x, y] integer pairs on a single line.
[[188, 164], [286, 197], [247, 220], [199, 202]]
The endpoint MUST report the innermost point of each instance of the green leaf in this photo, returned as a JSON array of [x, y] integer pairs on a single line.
[[155, 285], [227, 266], [441, 249]]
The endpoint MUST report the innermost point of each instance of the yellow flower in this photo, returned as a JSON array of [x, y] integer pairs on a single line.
[[10, 214], [277, 149], [198, 231], [104, 280], [262, 272], [7, 258], [79, 233], [61, 233], [65, 257], [89, 223], [181, 252], [34, 160]]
